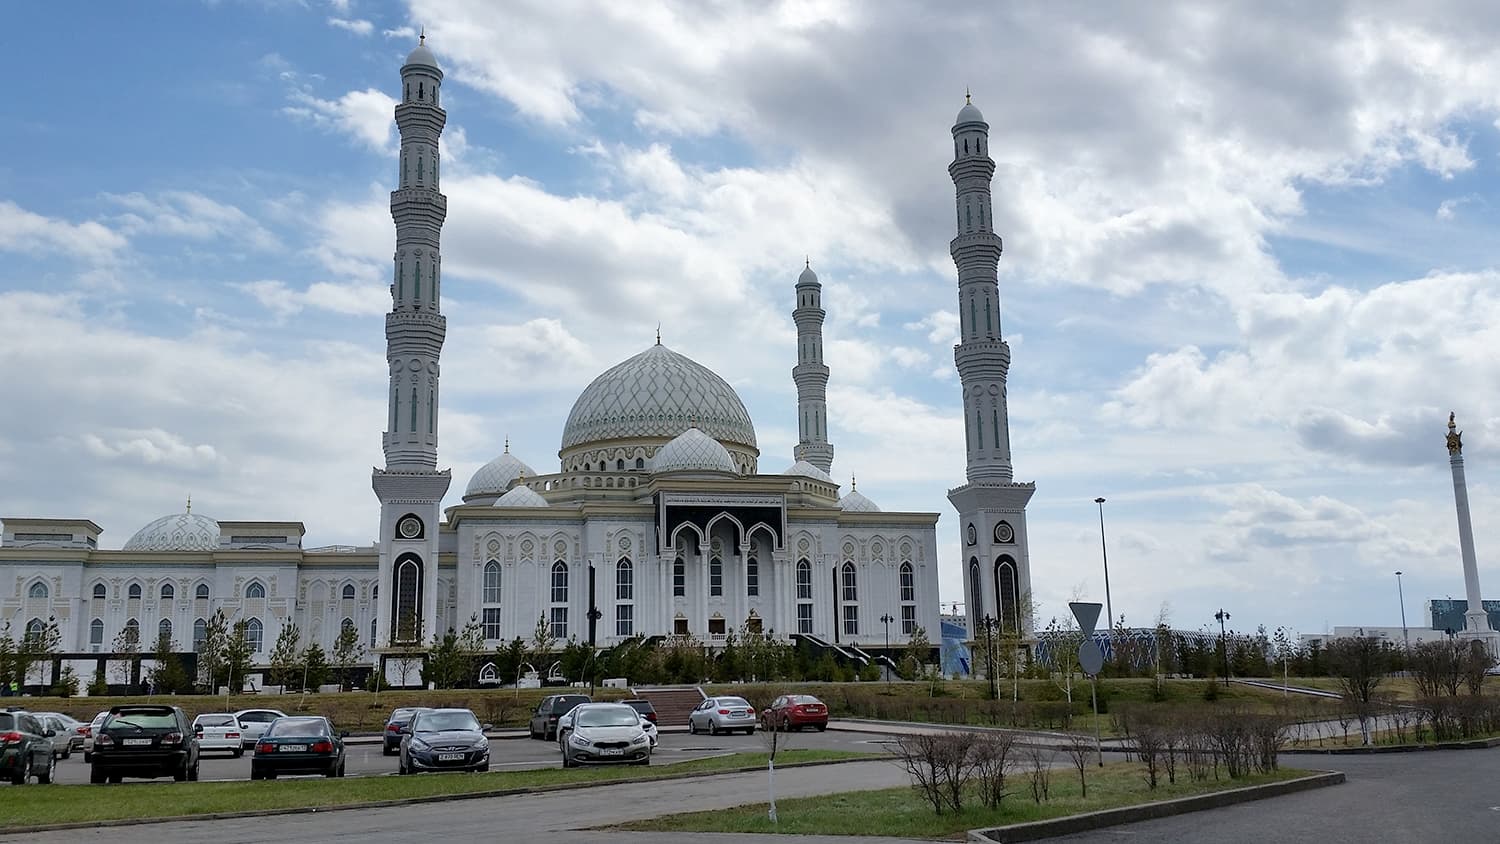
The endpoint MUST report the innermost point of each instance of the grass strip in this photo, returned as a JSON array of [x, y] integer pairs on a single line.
[[68, 804], [901, 812]]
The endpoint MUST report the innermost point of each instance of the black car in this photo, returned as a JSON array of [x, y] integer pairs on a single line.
[[144, 741], [642, 706], [298, 745], [444, 740], [395, 728], [25, 748], [544, 720]]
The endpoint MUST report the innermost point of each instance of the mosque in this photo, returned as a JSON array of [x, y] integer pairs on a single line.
[[658, 520]]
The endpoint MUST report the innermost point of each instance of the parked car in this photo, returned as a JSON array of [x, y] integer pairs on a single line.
[[722, 714], [793, 712], [67, 727], [253, 722], [444, 740], [146, 741], [298, 745], [648, 716], [544, 720], [603, 734], [25, 748], [90, 732], [219, 731], [394, 727], [58, 734]]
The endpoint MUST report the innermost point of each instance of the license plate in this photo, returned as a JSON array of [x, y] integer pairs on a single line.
[[293, 748], [450, 757], [611, 751], [136, 742], [739, 713]]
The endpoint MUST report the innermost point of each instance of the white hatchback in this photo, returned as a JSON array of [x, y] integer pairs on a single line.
[[253, 722], [219, 731]]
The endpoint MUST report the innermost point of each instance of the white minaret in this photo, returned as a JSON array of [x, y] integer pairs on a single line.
[[1476, 620], [410, 487], [810, 375], [991, 507]]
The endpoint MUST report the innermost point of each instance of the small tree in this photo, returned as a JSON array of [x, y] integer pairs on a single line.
[[914, 658], [7, 659], [347, 650], [126, 646], [774, 739], [286, 667], [167, 675], [37, 647], [410, 657], [314, 666], [1065, 639], [1079, 748], [237, 654], [211, 666], [1284, 646], [67, 682], [1475, 664], [470, 646], [1360, 664], [444, 661], [542, 645]]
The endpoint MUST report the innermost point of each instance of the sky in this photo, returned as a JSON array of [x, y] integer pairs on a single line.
[[1250, 264]]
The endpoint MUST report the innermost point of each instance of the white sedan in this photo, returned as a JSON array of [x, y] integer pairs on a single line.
[[253, 722], [219, 731]]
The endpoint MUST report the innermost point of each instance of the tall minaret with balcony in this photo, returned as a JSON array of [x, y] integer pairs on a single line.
[[410, 487], [991, 507], [810, 375]]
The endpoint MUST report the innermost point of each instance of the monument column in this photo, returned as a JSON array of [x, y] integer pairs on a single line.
[[1476, 620]]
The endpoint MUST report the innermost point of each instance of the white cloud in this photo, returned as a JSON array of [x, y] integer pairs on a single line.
[[34, 234], [356, 26], [151, 447], [190, 215], [352, 299], [364, 116]]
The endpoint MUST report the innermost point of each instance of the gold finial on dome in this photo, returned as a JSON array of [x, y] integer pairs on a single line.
[[422, 38], [967, 99], [190, 502], [1455, 436]]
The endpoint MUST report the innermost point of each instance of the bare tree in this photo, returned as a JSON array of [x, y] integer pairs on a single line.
[[991, 759], [918, 754], [1360, 664], [1040, 772], [774, 739], [1475, 664], [1080, 748]]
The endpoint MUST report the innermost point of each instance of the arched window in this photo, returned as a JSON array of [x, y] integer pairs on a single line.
[[1007, 598], [346, 626], [752, 576], [201, 593], [620, 465], [168, 592], [99, 591], [624, 581], [348, 593], [372, 632], [134, 592], [132, 632], [255, 633], [640, 463], [850, 581], [492, 582], [559, 582], [96, 632], [908, 584], [37, 590], [164, 630], [716, 577], [407, 609], [200, 633], [804, 580], [488, 674], [255, 590], [976, 593], [679, 578], [34, 630]]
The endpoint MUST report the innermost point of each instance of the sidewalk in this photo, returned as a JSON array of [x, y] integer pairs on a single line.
[[1042, 738]]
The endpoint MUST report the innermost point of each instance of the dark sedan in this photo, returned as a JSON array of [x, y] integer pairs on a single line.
[[298, 745], [395, 728], [144, 741], [544, 720], [444, 740]]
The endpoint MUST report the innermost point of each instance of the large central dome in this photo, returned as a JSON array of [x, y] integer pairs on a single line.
[[657, 394]]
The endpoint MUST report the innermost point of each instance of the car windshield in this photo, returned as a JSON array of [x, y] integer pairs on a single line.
[[733, 702], [142, 720], [215, 721], [7, 721], [437, 722], [803, 699], [612, 716], [298, 727], [402, 714]]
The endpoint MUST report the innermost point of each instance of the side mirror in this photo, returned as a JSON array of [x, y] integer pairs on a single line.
[[406, 731], [486, 727], [343, 734]]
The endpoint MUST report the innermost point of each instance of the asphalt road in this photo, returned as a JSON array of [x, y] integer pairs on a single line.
[[365, 760]]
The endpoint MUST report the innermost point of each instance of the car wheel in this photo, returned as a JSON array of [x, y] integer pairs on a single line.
[[46, 777], [332, 772], [87, 756], [237, 752], [385, 750], [181, 774], [193, 773], [401, 768], [483, 769], [270, 775], [68, 754], [255, 773], [341, 769], [646, 761], [822, 727], [114, 779], [713, 729], [749, 731], [568, 760], [96, 776]]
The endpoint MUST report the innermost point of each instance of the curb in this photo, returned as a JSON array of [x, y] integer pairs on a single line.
[[1035, 830], [411, 801], [1467, 744]]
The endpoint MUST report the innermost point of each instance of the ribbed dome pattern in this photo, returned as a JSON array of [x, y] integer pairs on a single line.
[[806, 469], [521, 496], [177, 532], [494, 477], [693, 451]]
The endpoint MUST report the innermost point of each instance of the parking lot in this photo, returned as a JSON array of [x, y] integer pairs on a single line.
[[511, 754]]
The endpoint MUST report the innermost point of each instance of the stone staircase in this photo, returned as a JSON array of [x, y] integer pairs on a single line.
[[672, 704]]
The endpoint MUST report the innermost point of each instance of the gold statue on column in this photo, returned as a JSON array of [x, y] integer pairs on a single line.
[[1455, 436]]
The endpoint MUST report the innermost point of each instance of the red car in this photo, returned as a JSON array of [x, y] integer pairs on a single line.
[[793, 712]]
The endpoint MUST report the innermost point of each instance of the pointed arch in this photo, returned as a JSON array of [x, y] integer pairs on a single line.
[[100, 592], [804, 580], [624, 580], [96, 632], [164, 630], [168, 592], [976, 592], [255, 635], [201, 592], [1007, 593], [255, 589], [37, 590], [347, 593], [492, 582], [133, 592], [559, 582], [200, 633]]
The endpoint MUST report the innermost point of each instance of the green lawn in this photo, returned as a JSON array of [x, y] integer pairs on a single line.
[[51, 804], [901, 812]]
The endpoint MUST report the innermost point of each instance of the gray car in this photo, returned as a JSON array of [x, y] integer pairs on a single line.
[[723, 715], [444, 740], [605, 734], [67, 736]]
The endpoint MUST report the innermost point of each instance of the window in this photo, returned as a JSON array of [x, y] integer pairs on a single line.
[[372, 632], [624, 620], [254, 634], [624, 582], [851, 619], [99, 592], [37, 590], [34, 630], [620, 465], [560, 623], [201, 593], [679, 578], [96, 632], [200, 633], [255, 590], [408, 607], [132, 632], [164, 630], [640, 463], [804, 580], [716, 627], [559, 582], [908, 620], [492, 582], [716, 577], [168, 592], [976, 594], [134, 592], [752, 576], [1006, 597], [804, 619], [908, 583], [346, 626], [850, 582], [348, 592], [491, 623]]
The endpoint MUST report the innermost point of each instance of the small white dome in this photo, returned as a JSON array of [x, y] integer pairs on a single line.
[[177, 532], [521, 496], [495, 477], [969, 114], [856, 502], [693, 451], [806, 469], [422, 55], [807, 277]]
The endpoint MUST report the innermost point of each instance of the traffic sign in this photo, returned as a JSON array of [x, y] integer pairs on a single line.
[[1090, 657]]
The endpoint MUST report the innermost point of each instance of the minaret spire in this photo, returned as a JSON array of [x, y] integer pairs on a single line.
[[810, 375]]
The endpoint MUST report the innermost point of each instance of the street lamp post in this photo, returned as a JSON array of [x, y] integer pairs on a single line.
[[1109, 608], [989, 652], [886, 620], [1401, 595], [1222, 617]]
